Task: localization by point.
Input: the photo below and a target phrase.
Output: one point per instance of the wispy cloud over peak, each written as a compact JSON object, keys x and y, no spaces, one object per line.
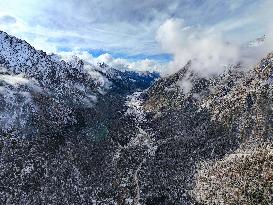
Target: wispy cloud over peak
{"x":130,"y":27}
{"x":206,"y":48}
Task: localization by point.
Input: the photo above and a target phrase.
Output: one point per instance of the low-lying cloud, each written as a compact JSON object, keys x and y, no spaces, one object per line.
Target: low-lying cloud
{"x":136,"y":65}
{"x":207,"y":49}
{"x":118,"y":63}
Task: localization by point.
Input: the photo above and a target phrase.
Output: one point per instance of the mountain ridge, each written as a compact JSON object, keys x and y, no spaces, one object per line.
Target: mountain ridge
{"x":73,"y":132}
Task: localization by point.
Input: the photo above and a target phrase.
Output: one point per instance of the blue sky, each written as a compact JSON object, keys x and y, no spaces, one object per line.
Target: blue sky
{"x":128,"y":29}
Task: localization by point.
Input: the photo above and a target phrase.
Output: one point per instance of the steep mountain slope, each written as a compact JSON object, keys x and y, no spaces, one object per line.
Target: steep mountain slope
{"x":184,"y":135}
{"x":208,"y":129}
{"x":76,"y":133}
{"x":245,"y":176}
{"x":61,"y":125}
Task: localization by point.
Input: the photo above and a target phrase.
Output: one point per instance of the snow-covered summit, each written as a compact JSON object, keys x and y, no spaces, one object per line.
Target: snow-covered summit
{"x":51,"y":87}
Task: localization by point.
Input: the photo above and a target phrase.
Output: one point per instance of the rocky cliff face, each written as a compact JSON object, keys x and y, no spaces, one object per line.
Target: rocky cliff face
{"x":76,"y":133}
{"x":214,"y":134}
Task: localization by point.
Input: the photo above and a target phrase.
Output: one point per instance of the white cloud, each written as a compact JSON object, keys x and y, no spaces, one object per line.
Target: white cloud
{"x":142,"y":65}
{"x":207,"y":50}
{"x":129,"y":27}
{"x":106,"y":58}
{"x":83,"y":55}
{"x":123,"y":26}
{"x":135,"y":65}
{"x":118,"y":63}
{"x":19,"y":80}
{"x":14,"y":80}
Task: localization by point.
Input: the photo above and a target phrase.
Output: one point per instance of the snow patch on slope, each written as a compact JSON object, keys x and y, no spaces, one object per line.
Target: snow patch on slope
{"x":134,"y":104}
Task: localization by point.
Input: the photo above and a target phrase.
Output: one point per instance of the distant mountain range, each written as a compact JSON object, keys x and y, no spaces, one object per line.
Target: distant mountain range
{"x":76,"y":133}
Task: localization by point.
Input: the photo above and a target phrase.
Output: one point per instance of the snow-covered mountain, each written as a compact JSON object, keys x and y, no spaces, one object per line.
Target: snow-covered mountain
{"x":53,"y":108}
{"x":213,"y":137}
{"x":37,"y":87}
{"x":76,"y":133}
